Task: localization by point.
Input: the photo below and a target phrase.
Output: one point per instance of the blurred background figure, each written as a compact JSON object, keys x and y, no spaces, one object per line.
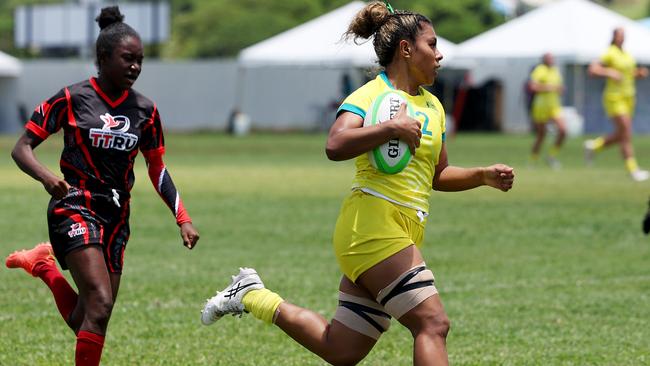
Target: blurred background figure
{"x":619,"y":98}
{"x":646,"y":221}
{"x":546,"y":84}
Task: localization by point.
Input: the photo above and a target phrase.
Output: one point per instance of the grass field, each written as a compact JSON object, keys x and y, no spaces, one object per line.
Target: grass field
{"x":555,"y":272}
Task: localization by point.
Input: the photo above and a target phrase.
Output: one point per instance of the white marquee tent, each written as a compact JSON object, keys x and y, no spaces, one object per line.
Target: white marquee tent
{"x":318,"y":42}
{"x":308,"y":61}
{"x":576,"y":32}
{"x":10,"y":69}
{"x":9,"y":66}
{"x":575,"y":29}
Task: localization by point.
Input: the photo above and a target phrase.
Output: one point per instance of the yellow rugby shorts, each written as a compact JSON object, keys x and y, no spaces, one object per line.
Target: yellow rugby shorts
{"x":370,"y":229}
{"x":543,"y":114}
{"x":619,"y":105}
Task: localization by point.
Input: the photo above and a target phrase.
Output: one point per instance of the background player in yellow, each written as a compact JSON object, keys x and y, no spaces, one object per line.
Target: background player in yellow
{"x":619,"y":98}
{"x":382,"y":221}
{"x":546,"y":83}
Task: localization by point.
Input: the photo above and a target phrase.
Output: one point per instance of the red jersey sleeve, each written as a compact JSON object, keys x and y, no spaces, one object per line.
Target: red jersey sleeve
{"x":49,"y":116}
{"x":152,"y":134}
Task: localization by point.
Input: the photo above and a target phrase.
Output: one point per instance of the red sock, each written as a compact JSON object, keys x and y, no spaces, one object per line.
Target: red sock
{"x":89,"y":349}
{"x":64,"y":296}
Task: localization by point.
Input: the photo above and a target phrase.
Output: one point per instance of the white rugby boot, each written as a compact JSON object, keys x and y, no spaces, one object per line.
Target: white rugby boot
{"x":553,"y":163}
{"x":640,"y":175}
{"x":229,"y":300}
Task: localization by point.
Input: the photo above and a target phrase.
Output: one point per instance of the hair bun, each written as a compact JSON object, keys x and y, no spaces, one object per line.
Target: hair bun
{"x":109,"y":15}
{"x":369,"y":20}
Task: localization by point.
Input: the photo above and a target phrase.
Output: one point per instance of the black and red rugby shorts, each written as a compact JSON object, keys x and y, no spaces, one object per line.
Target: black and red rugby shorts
{"x":84,"y":218}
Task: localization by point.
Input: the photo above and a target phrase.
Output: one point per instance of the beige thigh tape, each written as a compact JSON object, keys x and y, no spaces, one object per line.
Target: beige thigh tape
{"x":407,"y":291}
{"x":362,"y":315}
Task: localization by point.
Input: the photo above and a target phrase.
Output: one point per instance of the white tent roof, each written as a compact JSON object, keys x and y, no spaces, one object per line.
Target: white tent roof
{"x":9,"y":66}
{"x":576,"y":29}
{"x":644,"y":22}
{"x":318,"y":43}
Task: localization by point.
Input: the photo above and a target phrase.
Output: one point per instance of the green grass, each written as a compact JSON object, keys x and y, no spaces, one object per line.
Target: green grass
{"x":555,"y":272}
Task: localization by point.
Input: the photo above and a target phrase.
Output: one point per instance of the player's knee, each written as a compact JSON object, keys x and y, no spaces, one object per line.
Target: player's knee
{"x":436,"y":325}
{"x":99,"y":308}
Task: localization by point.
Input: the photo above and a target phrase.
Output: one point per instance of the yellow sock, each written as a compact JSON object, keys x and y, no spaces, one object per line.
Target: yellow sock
{"x":631,"y":165}
{"x":534,"y":158}
{"x":262,"y":304}
{"x":599,"y":142}
{"x":553,"y":151}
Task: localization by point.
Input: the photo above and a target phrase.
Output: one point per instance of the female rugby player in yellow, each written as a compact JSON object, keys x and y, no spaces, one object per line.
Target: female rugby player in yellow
{"x":546,"y":82}
{"x":619,"y":97}
{"x":381,"y":223}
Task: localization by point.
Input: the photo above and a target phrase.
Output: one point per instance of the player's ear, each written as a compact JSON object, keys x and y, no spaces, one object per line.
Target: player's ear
{"x":405,"y":48}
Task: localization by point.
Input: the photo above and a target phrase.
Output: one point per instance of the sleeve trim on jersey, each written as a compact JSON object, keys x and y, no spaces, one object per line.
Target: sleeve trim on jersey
{"x":444,"y":136}
{"x":37,"y":130}
{"x":347,"y":107}
{"x":160,"y":183}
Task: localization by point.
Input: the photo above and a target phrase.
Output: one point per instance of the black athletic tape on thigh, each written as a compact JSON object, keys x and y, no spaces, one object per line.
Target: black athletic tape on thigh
{"x":361,"y":310}
{"x":400,"y":288}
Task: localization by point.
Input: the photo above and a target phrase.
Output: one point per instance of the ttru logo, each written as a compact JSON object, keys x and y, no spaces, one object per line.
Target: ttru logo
{"x":113,"y":135}
{"x":76,"y":229}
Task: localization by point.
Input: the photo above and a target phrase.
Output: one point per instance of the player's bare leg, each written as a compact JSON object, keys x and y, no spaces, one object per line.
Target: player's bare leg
{"x":427,"y":321}
{"x":332,"y":341}
{"x":560,"y":127}
{"x":540,"y":134}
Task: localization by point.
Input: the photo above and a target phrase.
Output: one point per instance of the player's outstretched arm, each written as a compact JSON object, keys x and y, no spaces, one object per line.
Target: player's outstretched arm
{"x":165,"y":187}
{"x":453,"y":179}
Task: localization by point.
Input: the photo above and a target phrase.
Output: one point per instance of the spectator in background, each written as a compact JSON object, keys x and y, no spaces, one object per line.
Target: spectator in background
{"x":546,"y":84}
{"x":619,"y":98}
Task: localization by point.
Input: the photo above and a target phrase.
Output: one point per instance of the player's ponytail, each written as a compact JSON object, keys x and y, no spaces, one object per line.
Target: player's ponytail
{"x":386,"y":27}
{"x":113,"y":31}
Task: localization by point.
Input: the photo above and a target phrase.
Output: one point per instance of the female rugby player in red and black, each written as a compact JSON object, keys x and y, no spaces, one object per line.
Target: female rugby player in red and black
{"x":105,"y":123}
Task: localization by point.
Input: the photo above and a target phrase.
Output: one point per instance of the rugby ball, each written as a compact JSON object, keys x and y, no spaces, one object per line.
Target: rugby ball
{"x":393,"y":156}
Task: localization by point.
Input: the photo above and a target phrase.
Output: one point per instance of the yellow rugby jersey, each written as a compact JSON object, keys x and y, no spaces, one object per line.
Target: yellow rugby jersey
{"x":412,"y":186}
{"x":542,"y":74}
{"x":624,"y":63}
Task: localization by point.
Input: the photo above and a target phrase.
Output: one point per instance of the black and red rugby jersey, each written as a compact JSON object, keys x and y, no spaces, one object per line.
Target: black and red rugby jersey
{"x":102,"y":136}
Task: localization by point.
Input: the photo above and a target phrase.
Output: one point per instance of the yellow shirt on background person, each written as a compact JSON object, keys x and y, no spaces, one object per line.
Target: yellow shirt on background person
{"x":624,"y":63}
{"x":547,"y":76}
